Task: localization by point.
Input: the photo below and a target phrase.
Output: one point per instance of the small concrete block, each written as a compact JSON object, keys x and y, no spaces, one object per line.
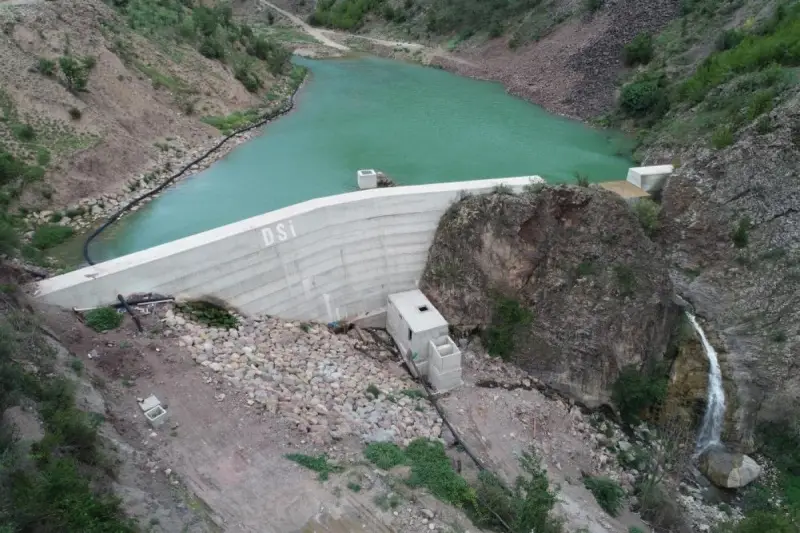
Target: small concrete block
{"x":156,"y":416}
{"x":445,"y":363}
{"x":367,"y":179}
{"x":149,"y":403}
{"x":446,"y":381}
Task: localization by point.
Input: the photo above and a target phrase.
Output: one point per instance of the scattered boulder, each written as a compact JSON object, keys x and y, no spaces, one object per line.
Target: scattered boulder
{"x":729,"y":470}
{"x":575,"y":260}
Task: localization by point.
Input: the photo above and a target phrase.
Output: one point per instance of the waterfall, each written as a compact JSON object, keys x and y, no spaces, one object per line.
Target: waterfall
{"x":711,"y":428}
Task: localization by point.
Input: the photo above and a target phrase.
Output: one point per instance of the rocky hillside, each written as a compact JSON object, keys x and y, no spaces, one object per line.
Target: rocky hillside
{"x":92,"y":95}
{"x":564,"y":279}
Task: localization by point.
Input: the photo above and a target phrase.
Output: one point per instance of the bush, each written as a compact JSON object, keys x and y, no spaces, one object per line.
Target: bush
{"x":50,"y":235}
{"x":209,"y":314}
{"x":582,"y":180}
{"x":212,"y":48}
{"x":248,"y":78}
{"x":639,"y":51}
{"x":740,"y":234}
{"x":24,"y":132}
{"x":607,"y":492}
{"x":636,"y":392}
{"x":760,"y":103}
{"x":626,"y":280}
{"x":729,"y":39}
{"x":384,"y":455}
{"x":75,"y":113}
{"x":75,"y":73}
{"x":9,"y":240}
{"x":508,"y":317}
{"x":43,"y":157}
{"x":722,"y":137}
{"x":103,"y":319}
{"x":647,"y":96}
{"x":594,"y":5}
{"x":647,"y":211}
{"x":318,"y":463}
{"x":46,"y":66}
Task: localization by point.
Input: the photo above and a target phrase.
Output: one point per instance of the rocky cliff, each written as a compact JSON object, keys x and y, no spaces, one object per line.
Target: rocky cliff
{"x":732,"y":231}
{"x":596,"y":288}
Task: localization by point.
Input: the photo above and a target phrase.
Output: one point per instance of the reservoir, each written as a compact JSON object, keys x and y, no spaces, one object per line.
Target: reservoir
{"x":416,"y":124}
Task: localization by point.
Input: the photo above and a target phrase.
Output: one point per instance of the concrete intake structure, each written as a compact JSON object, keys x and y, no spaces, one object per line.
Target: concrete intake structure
{"x":323,"y":260}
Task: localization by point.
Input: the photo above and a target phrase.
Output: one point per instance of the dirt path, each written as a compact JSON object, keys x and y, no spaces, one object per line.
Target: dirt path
{"x":314,"y":32}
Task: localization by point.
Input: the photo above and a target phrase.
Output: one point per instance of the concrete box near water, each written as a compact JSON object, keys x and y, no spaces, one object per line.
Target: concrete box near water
{"x":367,"y":179}
{"x":649,"y":179}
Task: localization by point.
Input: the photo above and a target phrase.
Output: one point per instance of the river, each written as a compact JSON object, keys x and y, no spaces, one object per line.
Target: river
{"x":417,"y":124}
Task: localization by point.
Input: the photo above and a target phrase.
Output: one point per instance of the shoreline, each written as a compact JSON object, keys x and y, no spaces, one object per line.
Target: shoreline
{"x":84,"y":214}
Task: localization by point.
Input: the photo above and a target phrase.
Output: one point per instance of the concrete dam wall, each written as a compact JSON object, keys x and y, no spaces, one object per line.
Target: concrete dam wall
{"x":324,"y":260}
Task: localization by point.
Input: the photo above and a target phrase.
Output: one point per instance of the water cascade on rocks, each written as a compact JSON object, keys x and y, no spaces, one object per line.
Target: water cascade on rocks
{"x":711,"y":427}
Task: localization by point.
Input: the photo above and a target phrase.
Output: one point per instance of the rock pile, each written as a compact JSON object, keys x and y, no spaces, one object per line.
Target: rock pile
{"x":319,"y":380}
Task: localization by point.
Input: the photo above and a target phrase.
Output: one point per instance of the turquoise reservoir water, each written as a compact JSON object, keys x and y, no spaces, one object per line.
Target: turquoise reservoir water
{"x":419,"y":125}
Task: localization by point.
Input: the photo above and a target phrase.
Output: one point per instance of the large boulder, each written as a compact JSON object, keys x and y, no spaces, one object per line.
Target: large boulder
{"x":593,"y":286}
{"x":729,"y":470}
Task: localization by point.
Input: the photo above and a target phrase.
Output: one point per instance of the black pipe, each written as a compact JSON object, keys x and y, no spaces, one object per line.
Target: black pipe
{"x":130,"y":312}
{"x":113,"y":218}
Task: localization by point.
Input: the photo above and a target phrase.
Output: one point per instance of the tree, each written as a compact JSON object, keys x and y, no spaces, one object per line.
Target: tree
{"x":75,"y":73}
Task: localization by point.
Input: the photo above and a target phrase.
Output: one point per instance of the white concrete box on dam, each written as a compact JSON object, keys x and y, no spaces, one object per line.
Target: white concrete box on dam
{"x":367,"y":179}
{"x":649,"y":179}
{"x":421,"y":333}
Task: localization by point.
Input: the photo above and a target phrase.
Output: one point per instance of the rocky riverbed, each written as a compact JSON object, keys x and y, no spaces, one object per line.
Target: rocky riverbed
{"x":327,"y":384}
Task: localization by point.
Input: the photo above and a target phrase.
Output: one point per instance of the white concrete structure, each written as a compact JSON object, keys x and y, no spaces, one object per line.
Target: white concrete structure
{"x":367,"y":179}
{"x":324,"y":260}
{"x":649,"y":179}
{"x":421,"y":333}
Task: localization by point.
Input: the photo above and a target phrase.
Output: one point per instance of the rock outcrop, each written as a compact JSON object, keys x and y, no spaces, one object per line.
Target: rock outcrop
{"x":596,"y":287}
{"x":731,"y":222}
{"x":729,"y":470}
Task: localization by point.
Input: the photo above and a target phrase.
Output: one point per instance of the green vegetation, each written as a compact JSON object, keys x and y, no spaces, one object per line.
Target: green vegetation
{"x":373,"y":390}
{"x":317,"y":463}
{"x":58,"y":484}
{"x":46,"y":66}
{"x":636,"y":393}
{"x":581,"y":180}
{"x":722,"y":137}
{"x":76,"y":72}
{"x":586,"y":269}
{"x":50,"y":235}
{"x":355,"y":487}
{"x":209,"y":314}
{"x":508,"y":318}
{"x":639,"y":51}
{"x":413,"y":393}
{"x":524,"y":506}
{"x":384,"y":455}
{"x":647,"y":211}
{"x":607,"y":492}
{"x":626,"y":280}
{"x":103,"y":319}
{"x":234,"y":121}
{"x":741,"y":233}
{"x":343,"y":14}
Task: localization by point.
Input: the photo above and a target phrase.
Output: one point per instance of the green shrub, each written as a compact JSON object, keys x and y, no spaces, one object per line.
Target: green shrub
{"x":740,"y":234}
{"x":646,"y":96}
{"x":647,"y":211}
{"x":43,"y":157}
{"x":209,"y":314}
{"x":355,"y":487}
{"x":508,"y":317}
{"x":75,"y":113}
{"x":75,"y":73}
{"x":729,"y":39}
{"x":46,"y":66}
{"x":50,"y":235}
{"x":248,"y":78}
{"x":635,"y":392}
{"x":24,"y":132}
{"x":9,"y":240}
{"x":764,"y":125}
{"x":585,"y":269}
{"x":760,"y":522}
{"x":89,"y":62}
{"x":626,"y":280}
{"x":607,"y":492}
{"x":760,"y":103}
{"x":212,"y":48}
{"x":384,"y":455}
{"x":639,"y":51}
{"x":373,"y":390}
{"x":594,"y":5}
{"x":103,"y":319}
{"x":318,"y":463}
{"x":582,"y":180}
{"x":722,"y":137}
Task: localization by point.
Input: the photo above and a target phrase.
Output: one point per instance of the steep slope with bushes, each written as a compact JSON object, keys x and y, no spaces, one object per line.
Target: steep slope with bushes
{"x":563,"y":280}
{"x":92,"y":95}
